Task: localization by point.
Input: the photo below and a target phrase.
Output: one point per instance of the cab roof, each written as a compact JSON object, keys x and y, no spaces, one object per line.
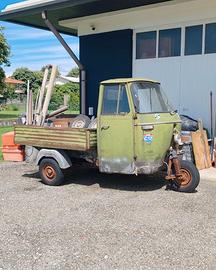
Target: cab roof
{"x":128,"y":80}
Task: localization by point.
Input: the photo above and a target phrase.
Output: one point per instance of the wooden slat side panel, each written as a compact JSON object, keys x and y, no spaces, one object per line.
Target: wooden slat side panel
{"x":72,"y":139}
{"x":93,"y":139}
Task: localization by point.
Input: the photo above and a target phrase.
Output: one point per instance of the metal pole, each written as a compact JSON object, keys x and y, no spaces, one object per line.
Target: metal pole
{"x":83,"y":91}
{"x":27,"y":102}
{"x":73,"y":56}
{"x":211,"y":116}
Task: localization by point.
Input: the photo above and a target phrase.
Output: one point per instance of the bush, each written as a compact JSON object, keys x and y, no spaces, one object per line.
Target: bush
{"x":11,"y":107}
{"x":70,"y":89}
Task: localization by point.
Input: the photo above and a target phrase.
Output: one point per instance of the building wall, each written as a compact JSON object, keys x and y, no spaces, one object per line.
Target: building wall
{"x":187,"y":80}
{"x":105,"y":56}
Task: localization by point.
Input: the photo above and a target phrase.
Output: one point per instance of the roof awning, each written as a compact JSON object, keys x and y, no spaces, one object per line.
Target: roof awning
{"x":29,"y":12}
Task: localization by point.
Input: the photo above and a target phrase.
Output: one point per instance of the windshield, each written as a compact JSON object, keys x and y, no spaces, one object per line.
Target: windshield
{"x":149,"y":98}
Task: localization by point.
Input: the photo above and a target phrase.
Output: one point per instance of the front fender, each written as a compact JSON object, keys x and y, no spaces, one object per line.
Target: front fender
{"x":59,"y":155}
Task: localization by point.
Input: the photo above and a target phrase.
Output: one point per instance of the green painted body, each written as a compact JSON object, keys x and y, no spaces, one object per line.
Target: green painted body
{"x":121,"y":145}
{"x":118,"y":140}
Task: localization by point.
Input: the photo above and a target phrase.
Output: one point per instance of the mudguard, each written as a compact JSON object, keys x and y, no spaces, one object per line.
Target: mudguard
{"x":59,"y":155}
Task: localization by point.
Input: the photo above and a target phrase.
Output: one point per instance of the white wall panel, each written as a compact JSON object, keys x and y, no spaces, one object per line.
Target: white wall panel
{"x":187,"y":80}
{"x":165,"y":71}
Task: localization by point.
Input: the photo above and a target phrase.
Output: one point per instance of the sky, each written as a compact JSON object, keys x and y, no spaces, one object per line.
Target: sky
{"x":34,"y":48}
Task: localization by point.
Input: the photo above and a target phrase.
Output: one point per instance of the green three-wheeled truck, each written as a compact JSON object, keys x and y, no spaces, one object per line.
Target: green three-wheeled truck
{"x":136,"y":132}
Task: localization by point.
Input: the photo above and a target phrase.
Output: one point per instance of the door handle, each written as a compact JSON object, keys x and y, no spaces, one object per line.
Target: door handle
{"x":104,"y":127}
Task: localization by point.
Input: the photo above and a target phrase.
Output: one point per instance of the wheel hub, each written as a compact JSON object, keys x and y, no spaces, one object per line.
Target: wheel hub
{"x":49,"y":172}
{"x":185,"y":177}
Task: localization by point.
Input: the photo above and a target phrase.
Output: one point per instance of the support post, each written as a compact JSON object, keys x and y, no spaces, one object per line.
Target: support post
{"x":73,"y":56}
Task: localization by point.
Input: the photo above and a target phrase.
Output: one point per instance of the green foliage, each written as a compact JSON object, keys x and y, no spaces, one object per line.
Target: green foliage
{"x":2,"y":77}
{"x":4,"y":56}
{"x":12,"y":108}
{"x":9,"y":92}
{"x":71,"y":89}
{"x":74,"y":72}
{"x":24,"y":74}
{"x":6,"y":114}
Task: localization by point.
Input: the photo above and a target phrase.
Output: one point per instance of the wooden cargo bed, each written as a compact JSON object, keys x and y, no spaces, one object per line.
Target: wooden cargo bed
{"x":79,"y":139}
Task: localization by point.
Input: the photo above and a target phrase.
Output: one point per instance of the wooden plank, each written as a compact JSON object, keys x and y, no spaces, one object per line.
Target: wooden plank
{"x":201,"y":149}
{"x":58,"y":145}
{"x":66,"y":138}
{"x":30,"y":127}
{"x":41,"y":96}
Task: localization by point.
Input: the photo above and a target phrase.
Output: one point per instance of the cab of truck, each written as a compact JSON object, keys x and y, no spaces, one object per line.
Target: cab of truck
{"x":136,"y":124}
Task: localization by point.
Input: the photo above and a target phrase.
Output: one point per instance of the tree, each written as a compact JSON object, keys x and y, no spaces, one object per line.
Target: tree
{"x":71,"y":89}
{"x":25,"y":74}
{"x":9,"y":92}
{"x":4,"y":57}
{"x":74,"y":72}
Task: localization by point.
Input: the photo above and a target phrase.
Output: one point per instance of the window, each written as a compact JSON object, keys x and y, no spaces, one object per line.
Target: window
{"x":123,"y":105}
{"x":210,"y":38}
{"x":146,"y":45}
{"x":193,"y":40}
{"x":115,"y":100}
{"x":149,"y":98}
{"x":170,"y":42}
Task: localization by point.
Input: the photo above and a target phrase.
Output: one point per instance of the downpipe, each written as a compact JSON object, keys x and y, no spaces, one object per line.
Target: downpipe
{"x":73,"y":56}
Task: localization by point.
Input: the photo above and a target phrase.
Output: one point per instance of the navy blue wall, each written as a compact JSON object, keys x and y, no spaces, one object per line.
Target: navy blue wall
{"x":105,"y":56}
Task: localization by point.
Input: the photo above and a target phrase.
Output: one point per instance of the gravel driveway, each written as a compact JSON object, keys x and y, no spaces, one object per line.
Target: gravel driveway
{"x":97,"y":222}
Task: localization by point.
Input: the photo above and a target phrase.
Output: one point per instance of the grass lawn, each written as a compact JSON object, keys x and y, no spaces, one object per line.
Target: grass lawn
{"x":9,"y":115}
{"x":2,"y":131}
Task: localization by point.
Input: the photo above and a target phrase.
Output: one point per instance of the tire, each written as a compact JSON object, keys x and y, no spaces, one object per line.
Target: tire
{"x":191,"y":177}
{"x":50,"y":172}
{"x":81,"y":121}
{"x":93,"y":124}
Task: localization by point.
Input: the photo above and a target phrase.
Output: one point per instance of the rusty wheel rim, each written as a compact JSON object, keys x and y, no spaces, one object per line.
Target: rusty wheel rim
{"x":49,"y":172}
{"x":185,"y":178}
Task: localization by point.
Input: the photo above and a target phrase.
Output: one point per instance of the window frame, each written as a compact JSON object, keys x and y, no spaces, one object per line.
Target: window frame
{"x":120,"y":85}
{"x":156,"y":44}
{"x":183,"y":28}
{"x":205,"y":41}
{"x":177,"y":29}
{"x":145,"y":113}
{"x":185,"y":39}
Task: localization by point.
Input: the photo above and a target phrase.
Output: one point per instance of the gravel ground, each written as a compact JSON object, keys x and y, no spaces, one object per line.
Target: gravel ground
{"x":108,"y":222}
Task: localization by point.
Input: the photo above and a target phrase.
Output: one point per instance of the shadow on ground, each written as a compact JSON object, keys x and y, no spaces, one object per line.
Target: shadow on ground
{"x":91,"y":176}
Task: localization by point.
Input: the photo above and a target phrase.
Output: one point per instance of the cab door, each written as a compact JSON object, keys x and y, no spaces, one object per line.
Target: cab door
{"x":115,"y":130}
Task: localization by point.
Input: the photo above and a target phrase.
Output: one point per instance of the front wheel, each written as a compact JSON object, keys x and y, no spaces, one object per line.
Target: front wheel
{"x":50,"y":172}
{"x":190,"y":177}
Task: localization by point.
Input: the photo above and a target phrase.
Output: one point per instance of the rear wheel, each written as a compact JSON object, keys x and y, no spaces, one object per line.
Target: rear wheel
{"x":190,"y":177}
{"x":50,"y":172}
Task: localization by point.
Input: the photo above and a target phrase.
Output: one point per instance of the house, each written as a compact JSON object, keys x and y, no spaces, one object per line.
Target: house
{"x":17,"y":84}
{"x":61,"y":80}
{"x":172,"y":41}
